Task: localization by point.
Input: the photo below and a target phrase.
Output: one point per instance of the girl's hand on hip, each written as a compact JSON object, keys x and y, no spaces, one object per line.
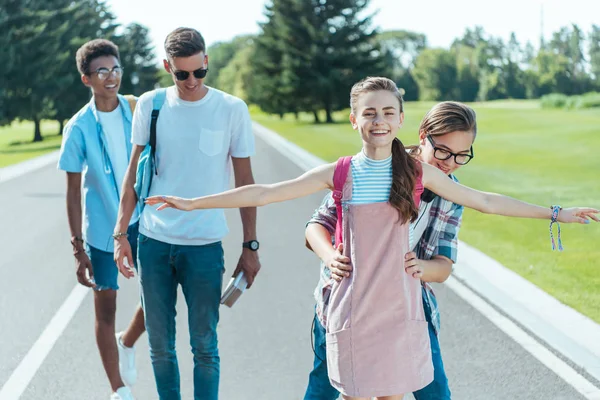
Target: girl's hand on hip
{"x":412,"y":265}
{"x":339,"y":264}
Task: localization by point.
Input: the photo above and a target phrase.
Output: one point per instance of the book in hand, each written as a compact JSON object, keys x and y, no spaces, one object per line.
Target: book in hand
{"x":234,"y":289}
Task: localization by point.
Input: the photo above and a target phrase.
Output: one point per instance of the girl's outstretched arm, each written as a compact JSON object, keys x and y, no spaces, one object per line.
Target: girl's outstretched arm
{"x":493,"y":203}
{"x":254,"y":195}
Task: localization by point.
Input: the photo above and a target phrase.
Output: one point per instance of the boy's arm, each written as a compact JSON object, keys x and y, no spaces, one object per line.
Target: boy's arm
{"x":85,"y":272}
{"x":126,"y":207}
{"x":248,"y":262}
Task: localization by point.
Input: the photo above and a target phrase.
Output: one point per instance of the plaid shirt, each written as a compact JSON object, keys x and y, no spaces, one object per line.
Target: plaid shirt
{"x":439,"y":238}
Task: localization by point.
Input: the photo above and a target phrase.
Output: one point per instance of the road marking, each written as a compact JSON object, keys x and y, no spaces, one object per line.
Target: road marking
{"x":535,"y":348}
{"x":26,"y":370}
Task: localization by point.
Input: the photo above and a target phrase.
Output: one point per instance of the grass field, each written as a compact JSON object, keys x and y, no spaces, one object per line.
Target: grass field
{"x":16,"y":142}
{"x":540,"y":156}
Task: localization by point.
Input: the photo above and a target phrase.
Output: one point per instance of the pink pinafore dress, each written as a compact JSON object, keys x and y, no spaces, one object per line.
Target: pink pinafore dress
{"x":376,"y":333}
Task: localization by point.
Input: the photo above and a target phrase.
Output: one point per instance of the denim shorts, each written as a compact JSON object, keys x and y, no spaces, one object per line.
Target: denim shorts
{"x":103,"y":263}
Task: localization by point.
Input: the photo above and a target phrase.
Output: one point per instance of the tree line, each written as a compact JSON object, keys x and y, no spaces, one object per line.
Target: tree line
{"x":309,"y":53}
{"x":38,"y":42}
{"x":305,"y":59}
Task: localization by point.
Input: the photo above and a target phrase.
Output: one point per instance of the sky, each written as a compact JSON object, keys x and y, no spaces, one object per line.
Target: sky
{"x":440,"y":20}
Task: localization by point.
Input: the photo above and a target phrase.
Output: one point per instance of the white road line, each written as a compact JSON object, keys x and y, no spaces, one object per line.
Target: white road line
{"x":535,"y":348}
{"x":26,"y":370}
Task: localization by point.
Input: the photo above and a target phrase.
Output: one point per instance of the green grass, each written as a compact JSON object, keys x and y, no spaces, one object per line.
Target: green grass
{"x":16,"y":141}
{"x":538,"y":155}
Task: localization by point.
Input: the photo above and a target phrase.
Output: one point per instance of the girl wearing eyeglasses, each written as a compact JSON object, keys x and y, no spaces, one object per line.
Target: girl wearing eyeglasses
{"x":446,"y":137}
{"x":376,"y":332}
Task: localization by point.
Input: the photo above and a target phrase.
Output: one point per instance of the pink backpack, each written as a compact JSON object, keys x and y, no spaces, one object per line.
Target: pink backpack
{"x":339,"y":180}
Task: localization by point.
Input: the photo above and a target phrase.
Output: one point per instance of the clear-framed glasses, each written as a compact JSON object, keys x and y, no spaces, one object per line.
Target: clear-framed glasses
{"x":443,"y":154}
{"x":104,"y":73}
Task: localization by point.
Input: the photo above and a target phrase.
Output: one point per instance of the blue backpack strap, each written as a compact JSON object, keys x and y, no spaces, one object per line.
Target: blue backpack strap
{"x":157,"y":103}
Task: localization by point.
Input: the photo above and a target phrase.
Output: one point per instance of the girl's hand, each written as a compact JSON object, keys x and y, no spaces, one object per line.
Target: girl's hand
{"x":339,"y":265}
{"x":170,"y":202}
{"x":411,"y":265}
{"x":578,"y":215}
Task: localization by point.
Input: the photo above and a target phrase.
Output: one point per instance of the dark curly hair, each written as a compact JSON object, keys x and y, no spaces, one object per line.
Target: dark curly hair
{"x":92,"y":50}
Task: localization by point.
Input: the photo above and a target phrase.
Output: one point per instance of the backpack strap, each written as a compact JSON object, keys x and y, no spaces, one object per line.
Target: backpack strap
{"x":340,"y":175}
{"x":419,"y":188}
{"x":132,"y":102}
{"x":157,"y":103}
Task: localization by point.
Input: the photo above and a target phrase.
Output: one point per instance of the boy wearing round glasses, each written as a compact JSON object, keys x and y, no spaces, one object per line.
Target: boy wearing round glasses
{"x":200,"y":132}
{"x":94,"y":154}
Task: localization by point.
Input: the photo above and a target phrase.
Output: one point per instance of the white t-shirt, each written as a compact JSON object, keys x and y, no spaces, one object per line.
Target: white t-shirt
{"x":194,"y":145}
{"x":112,"y":126}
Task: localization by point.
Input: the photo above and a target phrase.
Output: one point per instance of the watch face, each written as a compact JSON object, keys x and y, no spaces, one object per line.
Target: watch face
{"x":254,"y":245}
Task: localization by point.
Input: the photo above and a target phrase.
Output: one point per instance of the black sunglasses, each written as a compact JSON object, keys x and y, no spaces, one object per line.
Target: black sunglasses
{"x":443,"y":154}
{"x":200,"y":73}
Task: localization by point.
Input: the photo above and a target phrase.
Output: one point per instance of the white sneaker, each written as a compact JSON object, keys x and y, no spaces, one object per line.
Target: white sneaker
{"x":122,"y":393}
{"x":126,"y":362}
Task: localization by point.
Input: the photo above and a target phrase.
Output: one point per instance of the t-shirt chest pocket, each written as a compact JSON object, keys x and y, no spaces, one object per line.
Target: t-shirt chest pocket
{"x":211,"y":141}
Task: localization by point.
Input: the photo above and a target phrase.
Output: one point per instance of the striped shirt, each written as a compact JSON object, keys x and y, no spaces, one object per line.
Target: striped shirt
{"x":371,"y":179}
{"x":372,"y":182}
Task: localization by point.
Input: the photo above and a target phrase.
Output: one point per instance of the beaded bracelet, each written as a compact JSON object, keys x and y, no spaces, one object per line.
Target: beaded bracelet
{"x":554,"y":220}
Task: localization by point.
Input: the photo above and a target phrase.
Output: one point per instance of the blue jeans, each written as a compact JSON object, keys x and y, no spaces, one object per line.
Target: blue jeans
{"x":319,"y":387}
{"x":199,"y":271}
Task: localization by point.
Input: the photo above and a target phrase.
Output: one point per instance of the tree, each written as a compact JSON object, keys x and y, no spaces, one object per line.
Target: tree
{"x":435,"y":72}
{"x":513,"y":74}
{"x":309,"y":54}
{"x":568,"y":44}
{"x":553,"y":74}
{"x":236,"y":77}
{"x":138,"y":59}
{"x":221,"y":54}
{"x":40,"y":36}
{"x":400,"y":49}
{"x":267,"y":90}
{"x":467,"y":73}
{"x":594,"y":53}
{"x":93,"y":21}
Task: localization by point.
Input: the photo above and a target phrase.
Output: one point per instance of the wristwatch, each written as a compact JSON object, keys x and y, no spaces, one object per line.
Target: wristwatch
{"x":251,"y":244}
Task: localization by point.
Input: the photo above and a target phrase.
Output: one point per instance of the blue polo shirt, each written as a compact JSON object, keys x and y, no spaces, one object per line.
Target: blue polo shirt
{"x":85,"y":150}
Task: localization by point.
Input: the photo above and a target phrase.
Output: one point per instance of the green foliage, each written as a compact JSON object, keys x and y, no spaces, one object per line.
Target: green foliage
{"x":553,"y":100}
{"x":576,"y":102}
{"x":137,"y":58}
{"x":310,"y":53}
{"x":38,"y":41}
{"x":221,"y":54}
{"x":400,"y":49}
{"x":435,"y":72}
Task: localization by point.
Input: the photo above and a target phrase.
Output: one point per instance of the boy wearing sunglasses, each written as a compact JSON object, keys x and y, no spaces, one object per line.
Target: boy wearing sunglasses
{"x":94,"y":154}
{"x":199,"y":132}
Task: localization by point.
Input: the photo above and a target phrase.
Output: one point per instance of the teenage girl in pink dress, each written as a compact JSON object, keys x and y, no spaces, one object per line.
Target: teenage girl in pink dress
{"x":377,"y":341}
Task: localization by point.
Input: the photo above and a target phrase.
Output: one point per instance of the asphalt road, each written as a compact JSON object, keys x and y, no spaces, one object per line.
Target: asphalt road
{"x":264,"y":340}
